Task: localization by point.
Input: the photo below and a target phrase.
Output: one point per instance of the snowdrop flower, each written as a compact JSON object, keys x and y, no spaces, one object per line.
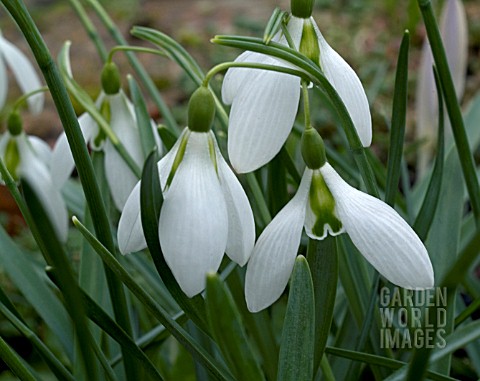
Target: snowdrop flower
{"x":27,"y":157}
{"x":205,"y":212}
{"x":265,"y":103}
{"x":453,"y":29}
{"x":23,"y":72}
{"x":120,"y":113}
{"x":326,"y":204}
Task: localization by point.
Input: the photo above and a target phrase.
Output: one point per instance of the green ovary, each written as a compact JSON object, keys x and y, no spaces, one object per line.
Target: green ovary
{"x":322,"y":205}
{"x":12,"y":158}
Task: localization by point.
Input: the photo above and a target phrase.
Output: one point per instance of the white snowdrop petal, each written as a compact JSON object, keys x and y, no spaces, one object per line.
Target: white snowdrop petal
{"x":130,"y":232}
{"x":193,"y":224}
{"x":166,"y":163}
{"x":120,"y":178}
{"x":273,"y":257}
{"x":41,"y":148}
{"x":348,"y":86}
{"x":61,"y":161}
{"x":37,"y":175}
{"x":381,"y":235}
{"x":3,"y":82}
{"x":453,"y":27}
{"x":24,"y":73}
{"x":235,"y":77}
{"x":261,"y":118}
{"x":241,"y":225}
{"x":124,"y":124}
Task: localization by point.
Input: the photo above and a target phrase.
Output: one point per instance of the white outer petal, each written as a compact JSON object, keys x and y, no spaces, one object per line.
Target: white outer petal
{"x":24,"y":73}
{"x":61,"y":162}
{"x":130,"y":232}
{"x":381,"y":235}
{"x":37,"y":175}
{"x":273,"y":257}
{"x":165,"y":164}
{"x":120,"y":177}
{"x":193,"y":224}
{"x":261,"y":118}
{"x":41,"y":148}
{"x":453,"y":26}
{"x":241,"y":225}
{"x":348,"y":86}
{"x":3,"y":82}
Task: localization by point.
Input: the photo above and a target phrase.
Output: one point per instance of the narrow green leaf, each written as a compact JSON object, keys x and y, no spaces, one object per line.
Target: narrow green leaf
{"x":399,"y":115}
{"x":15,"y":362}
{"x":258,"y":325}
{"x":167,"y":137}
{"x":215,"y":369}
{"x":277,"y":184}
{"x":50,"y":359}
{"x":143,"y":118}
{"x":151,"y":200}
{"x":380,"y":361}
{"x":228,"y":331}
{"x":323,"y":261}
{"x":57,"y":258}
{"x":454,"y":111}
{"x":273,"y":25}
{"x":29,"y":278}
{"x":298,"y":335}
{"x":427,"y":211}
{"x":108,"y":325}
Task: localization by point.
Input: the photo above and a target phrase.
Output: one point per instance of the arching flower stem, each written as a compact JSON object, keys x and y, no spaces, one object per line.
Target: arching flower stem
{"x":227,"y":65}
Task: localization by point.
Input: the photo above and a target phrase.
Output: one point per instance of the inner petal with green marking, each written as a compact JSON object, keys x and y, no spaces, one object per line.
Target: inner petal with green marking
{"x":321,"y":218}
{"x":12,"y":158}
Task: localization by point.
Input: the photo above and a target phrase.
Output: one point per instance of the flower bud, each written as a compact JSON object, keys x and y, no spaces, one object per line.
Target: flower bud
{"x":110,"y":78}
{"x":309,"y":42}
{"x":14,"y":124}
{"x":201,"y":110}
{"x":313,"y":149}
{"x":302,"y":8}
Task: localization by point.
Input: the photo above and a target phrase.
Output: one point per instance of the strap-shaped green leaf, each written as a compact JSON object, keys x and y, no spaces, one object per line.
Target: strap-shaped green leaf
{"x":298,"y":335}
{"x":323,"y":260}
{"x":228,"y":331}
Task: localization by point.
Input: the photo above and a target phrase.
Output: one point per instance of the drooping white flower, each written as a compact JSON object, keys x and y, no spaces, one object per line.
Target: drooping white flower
{"x":205,"y":212}
{"x":28,"y":158}
{"x":453,"y":29}
{"x":326,"y":204}
{"x":23,"y":72}
{"x":120,"y":177}
{"x":265,"y":103}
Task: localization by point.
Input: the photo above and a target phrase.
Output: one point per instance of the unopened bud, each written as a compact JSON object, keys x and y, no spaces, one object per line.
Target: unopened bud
{"x":110,"y":78}
{"x":201,"y":110}
{"x":313,"y":149}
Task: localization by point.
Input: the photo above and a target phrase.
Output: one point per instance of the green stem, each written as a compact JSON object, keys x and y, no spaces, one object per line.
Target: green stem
{"x":24,"y":97}
{"x":82,"y":160}
{"x":138,"y":49}
{"x":306,"y":104}
{"x":226,"y":65}
{"x":453,"y":107}
{"x":90,"y":28}
{"x":137,"y":66}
